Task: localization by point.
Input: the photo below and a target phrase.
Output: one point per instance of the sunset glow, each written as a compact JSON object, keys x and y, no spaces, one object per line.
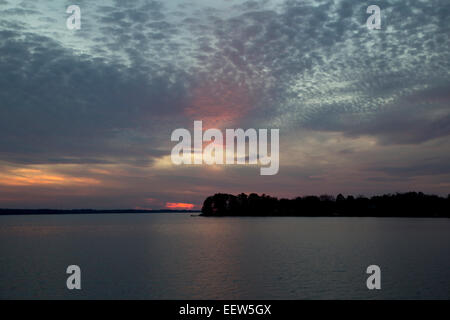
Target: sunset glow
{"x":358,"y":111}
{"x":219,"y":104}
{"x":179,"y":205}
{"x":36,"y":177}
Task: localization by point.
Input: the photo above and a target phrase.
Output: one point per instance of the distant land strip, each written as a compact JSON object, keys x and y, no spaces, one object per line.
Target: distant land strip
{"x":410,"y":204}
{"x":6,"y":212}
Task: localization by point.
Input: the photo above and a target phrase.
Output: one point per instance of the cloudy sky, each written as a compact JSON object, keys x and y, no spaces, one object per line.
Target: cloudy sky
{"x":86,"y":115}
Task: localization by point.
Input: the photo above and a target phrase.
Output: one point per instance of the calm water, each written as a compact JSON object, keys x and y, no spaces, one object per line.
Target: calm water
{"x":175,"y":256}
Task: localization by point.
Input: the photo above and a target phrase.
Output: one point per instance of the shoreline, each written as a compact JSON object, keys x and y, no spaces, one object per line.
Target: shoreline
{"x":22,"y":212}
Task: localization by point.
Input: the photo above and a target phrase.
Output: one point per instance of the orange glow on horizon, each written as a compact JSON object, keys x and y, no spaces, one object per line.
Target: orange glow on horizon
{"x":32,"y":177}
{"x":179,"y":205}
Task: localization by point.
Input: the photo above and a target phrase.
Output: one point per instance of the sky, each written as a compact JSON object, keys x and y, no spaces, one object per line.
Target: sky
{"x":86,"y":115}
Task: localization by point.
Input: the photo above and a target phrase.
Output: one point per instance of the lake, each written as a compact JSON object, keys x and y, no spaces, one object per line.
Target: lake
{"x":176,"y":256}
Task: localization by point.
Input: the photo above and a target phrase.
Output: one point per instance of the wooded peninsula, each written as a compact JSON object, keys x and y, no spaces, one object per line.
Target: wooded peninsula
{"x":410,"y":204}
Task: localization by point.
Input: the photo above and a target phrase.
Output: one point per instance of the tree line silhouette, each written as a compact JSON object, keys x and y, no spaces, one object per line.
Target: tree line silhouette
{"x":410,"y":204}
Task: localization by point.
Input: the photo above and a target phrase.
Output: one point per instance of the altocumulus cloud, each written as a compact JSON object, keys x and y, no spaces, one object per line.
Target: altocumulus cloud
{"x":111,"y":93}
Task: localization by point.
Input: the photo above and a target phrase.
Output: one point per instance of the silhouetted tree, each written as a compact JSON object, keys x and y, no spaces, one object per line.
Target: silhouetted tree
{"x":410,"y":204}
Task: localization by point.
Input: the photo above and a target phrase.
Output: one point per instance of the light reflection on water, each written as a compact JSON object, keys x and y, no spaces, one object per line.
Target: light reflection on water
{"x":176,"y":256}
